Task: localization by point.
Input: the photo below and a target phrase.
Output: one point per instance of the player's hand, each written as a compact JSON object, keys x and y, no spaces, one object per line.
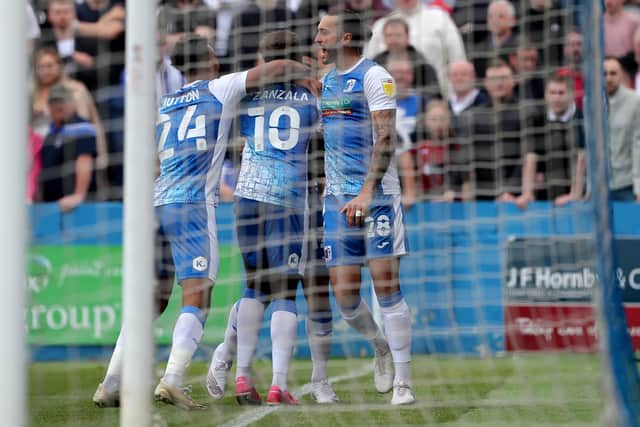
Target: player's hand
{"x":313,"y":85}
{"x":68,"y":203}
{"x":356,"y":210}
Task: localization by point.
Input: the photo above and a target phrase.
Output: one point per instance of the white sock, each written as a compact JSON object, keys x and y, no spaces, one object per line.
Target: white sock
{"x":186,"y":336}
{"x":320,"y":337}
{"x":250,"y":314}
{"x":361,"y":320}
{"x":283,"y":338}
{"x":111,"y":381}
{"x":397,"y":326}
{"x":229,"y":347}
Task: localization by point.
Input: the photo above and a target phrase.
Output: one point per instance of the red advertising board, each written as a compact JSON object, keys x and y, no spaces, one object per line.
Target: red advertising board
{"x":559,"y":327}
{"x":548,"y":293}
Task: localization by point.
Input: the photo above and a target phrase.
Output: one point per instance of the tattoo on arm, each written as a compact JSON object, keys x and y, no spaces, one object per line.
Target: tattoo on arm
{"x":384,"y":123}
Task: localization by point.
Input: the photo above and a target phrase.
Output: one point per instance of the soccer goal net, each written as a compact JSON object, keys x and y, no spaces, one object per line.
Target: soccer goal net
{"x":513,"y":215}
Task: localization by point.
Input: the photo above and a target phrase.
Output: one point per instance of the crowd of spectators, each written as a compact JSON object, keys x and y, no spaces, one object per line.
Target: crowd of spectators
{"x":490,"y":92}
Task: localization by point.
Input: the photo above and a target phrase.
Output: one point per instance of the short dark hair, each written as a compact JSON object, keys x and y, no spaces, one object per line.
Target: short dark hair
{"x":397,"y":21}
{"x":352,"y":22}
{"x":562,"y":78}
{"x":499,"y":63}
{"x":280,"y":44}
{"x":191,"y":53}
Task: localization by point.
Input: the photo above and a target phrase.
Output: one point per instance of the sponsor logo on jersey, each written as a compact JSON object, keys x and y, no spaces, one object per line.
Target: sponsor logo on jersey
{"x":334,"y":106}
{"x":348,"y":87}
{"x":200,"y":263}
{"x":327,"y":253}
{"x":294,"y":260}
{"x":389,"y":87}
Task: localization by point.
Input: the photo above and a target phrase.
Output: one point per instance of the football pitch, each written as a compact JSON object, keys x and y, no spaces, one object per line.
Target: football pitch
{"x":517,"y":390}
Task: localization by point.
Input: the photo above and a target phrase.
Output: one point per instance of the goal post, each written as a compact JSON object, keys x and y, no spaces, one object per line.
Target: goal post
{"x":619,"y":365}
{"x":13,"y":224}
{"x":138,"y":250}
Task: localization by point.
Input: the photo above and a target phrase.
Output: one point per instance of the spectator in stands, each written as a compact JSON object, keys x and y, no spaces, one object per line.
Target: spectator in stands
{"x":258,"y":18}
{"x":498,"y":138}
{"x":634,"y":75}
{"x":102,"y":23}
{"x":409,"y":108}
{"x":543,"y":23}
{"x":436,"y":156}
{"x":35,"y":164}
{"x":446,"y":5}
{"x":371,"y":9}
{"x":573,"y":64}
{"x":99,"y":29}
{"x":524,"y":62}
{"x":68,"y":175}
{"x":619,"y":27}
{"x":396,"y":39}
{"x":465,"y":95}
{"x":501,"y":41}
{"x":624,"y":135}
{"x":431,"y":31}
{"x":61,"y":35}
{"x":49,"y":71}
{"x":470,"y":17}
{"x":33,"y":29}
{"x":177,"y":17}
{"x":554,"y":167}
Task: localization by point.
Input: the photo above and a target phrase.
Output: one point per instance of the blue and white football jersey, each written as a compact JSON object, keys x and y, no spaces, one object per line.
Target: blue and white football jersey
{"x":348,"y":98}
{"x":277,"y":123}
{"x":191,"y":136}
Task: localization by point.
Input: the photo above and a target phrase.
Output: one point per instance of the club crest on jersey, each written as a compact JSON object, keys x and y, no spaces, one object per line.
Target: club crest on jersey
{"x":389,"y":87}
{"x":348,"y":87}
{"x":200,"y":263}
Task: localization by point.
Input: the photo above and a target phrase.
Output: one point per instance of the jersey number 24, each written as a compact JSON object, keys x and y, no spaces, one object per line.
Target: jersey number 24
{"x":197,"y":132}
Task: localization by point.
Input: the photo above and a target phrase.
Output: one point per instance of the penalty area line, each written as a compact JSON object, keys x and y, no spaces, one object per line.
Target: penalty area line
{"x":258,"y":413}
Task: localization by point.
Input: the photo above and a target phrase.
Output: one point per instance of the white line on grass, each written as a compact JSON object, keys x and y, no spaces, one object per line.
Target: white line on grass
{"x":258,"y":413}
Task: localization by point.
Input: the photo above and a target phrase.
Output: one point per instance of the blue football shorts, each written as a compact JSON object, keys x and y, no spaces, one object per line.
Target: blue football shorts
{"x":191,"y":231}
{"x":381,"y":236}
{"x":270,"y":236}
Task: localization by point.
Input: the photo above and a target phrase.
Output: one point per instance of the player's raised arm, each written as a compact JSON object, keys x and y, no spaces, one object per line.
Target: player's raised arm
{"x":277,"y":71}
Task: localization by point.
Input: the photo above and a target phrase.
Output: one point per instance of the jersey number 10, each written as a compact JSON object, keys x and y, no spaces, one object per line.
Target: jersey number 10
{"x":274,"y":132}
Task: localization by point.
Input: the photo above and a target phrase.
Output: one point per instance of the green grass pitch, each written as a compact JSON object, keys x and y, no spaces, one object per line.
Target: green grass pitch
{"x":517,"y":390}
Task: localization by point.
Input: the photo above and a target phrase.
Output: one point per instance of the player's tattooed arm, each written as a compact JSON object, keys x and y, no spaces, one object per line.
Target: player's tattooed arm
{"x":384,"y":123}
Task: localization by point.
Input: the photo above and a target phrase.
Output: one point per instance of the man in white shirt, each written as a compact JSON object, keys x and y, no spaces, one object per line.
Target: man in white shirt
{"x":431,"y":31}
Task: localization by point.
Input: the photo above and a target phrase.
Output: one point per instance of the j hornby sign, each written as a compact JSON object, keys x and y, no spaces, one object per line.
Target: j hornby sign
{"x":548,"y":291}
